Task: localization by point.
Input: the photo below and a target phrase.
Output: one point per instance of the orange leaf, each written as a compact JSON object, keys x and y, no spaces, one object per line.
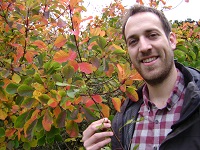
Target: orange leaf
{"x":72,"y":128}
{"x":97,"y":98}
{"x":123,"y":72}
{"x":135,"y":76}
{"x":77,"y":100}
{"x":60,"y":41}
{"x":74,"y":64}
{"x":117,"y":103}
{"x":47,"y":121}
{"x":57,"y":111}
{"x":131,"y":93}
{"x":62,"y":56}
{"x":105,"y":110}
{"x":20,"y":52}
{"x":86,"y":67}
{"x":52,"y":103}
{"x":79,"y":118}
{"x":40,"y":44}
{"x":10,"y":132}
{"x":110,"y":70}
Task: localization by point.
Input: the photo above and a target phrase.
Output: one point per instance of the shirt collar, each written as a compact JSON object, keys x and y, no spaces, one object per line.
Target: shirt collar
{"x":174,"y":96}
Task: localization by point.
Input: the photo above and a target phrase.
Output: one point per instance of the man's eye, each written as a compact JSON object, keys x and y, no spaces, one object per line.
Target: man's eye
{"x":132,"y":42}
{"x":153,"y":35}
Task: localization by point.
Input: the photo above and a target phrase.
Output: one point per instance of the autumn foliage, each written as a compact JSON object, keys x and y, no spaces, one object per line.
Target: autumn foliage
{"x":57,"y":74}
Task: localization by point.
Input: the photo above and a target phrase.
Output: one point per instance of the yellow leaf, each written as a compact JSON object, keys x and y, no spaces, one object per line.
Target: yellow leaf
{"x":16,"y":78}
{"x":3,"y":114}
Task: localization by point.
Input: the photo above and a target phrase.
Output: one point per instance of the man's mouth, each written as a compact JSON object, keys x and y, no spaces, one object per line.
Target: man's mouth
{"x":148,"y":60}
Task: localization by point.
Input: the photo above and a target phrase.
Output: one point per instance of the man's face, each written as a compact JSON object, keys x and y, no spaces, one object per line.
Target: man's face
{"x":150,"y":50}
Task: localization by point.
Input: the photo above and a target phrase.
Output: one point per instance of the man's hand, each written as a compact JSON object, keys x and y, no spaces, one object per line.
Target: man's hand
{"x":96,"y":135}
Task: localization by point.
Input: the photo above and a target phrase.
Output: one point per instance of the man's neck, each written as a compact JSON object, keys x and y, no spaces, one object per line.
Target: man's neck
{"x":159,"y":94}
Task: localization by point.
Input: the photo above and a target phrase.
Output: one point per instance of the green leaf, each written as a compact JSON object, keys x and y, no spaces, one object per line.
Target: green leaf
{"x":25,"y":90}
{"x":38,"y":78}
{"x":44,"y":98}
{"x":12,"y":88}
{"x":101,"y":41}
{"x":28,"y":102}
{"x":30,"y":130}
{"x":54,"y":131}
{"x":1,"y":83}
{"x":21,"y":120}
{"x":68,"y":72}
{"x":2,"y":132}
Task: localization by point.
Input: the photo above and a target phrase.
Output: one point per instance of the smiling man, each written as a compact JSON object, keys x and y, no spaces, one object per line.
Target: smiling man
{"x":167,"y":115}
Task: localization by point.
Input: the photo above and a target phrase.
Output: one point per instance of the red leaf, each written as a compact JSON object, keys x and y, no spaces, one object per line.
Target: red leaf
{"x":62,"y":56}
{"x":86,"y":67}
{"x":117,"y":103}
{"x":60,"y":41}
{"x":47,"y":121}
{"x":89,"y":103}
{"x":97,"y":98}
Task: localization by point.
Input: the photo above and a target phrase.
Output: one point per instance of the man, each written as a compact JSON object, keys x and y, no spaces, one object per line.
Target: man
{"x":167,"y":114}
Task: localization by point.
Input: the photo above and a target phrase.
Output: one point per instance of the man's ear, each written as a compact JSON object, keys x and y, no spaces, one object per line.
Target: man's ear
{"x":172,"y":40}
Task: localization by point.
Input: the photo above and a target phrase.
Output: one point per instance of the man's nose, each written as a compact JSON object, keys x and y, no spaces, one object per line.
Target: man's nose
{"x":144,"y":44}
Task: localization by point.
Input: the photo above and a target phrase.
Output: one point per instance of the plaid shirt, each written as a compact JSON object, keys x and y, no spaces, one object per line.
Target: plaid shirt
{"x":156,"y":123}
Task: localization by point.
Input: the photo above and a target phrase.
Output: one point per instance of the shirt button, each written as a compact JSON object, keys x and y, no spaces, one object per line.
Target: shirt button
{"x":156,"y":121}
{"x":155,"y":148}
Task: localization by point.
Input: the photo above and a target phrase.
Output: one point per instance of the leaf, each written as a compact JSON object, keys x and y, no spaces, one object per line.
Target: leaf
{"x":28,"y":102}
{"x":2,"y":132}
{"x":20,"y":121}
{"x":117,"y":49}
{"x":40,"y":44}
{"x":105,"y":110}
{"x":97,"y":98}
{"x":60,"y":41}
{"x":86,"y":67}
{"x":72,"y":128}
{"x":123,"y":72}
{"x":89,"y":103}
{"x":101,"y":41}
{"x":131,"y":93}
{"x":12,"y":88}
{"x":60,"y":121}
{"x":47,"y":120}
{"x":68,"y":71}
{"x":25,"y":90}
{"x":117,"y":103}
{"x":3,"y":114}
{"x":10,"y":132}
{"x":16,"y":78}
{"x":88,"y":114}
{"x":44,"y":98}
{"x":61,"y":56}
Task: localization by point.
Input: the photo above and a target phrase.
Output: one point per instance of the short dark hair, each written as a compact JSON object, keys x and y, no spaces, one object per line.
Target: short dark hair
{"x":139,"y":9}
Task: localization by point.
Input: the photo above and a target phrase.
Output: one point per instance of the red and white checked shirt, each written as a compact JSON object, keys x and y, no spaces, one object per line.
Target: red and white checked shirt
{"x":156,"y":123}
